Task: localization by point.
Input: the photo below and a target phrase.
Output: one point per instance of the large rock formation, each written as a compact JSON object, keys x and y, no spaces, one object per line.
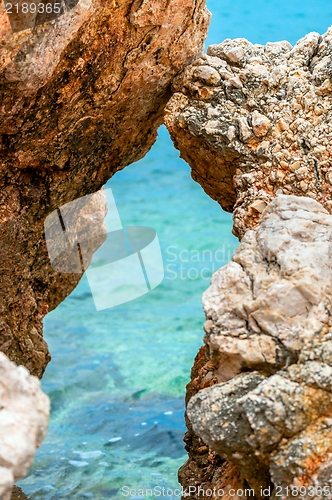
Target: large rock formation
{"x":82,"y":95}
{"x":268,"y":332}
{"x":23,"y":423}
{"x":251,"y":120}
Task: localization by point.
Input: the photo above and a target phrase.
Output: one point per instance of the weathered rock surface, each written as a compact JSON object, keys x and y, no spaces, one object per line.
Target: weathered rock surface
{"x":205,"y":469}
{"x":269,"y":342}
{"x":253,"y":119}
{"x":81,"y":97}
{"x":23,"y":422}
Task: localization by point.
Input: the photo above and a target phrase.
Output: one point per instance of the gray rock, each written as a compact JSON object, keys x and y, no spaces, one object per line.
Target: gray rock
{"x":24,"y":414}
{"x":217,"y":417}
{"x":269,"y":313}
{"x":82,"y":96}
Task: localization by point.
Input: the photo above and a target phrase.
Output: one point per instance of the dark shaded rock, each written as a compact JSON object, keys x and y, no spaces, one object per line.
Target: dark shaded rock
{"x":18,"y":494}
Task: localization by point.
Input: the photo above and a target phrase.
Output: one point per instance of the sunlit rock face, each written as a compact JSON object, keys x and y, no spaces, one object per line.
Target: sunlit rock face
{"x":269,"y":339}
{"x":23,"y":422}
{"x":82,"y":95}
{"x":252,"y":119}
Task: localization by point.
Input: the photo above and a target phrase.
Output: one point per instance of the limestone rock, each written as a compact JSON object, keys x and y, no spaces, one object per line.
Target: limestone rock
{"x":261,"y":129}
{"x":264,"y":126}
{"x":82,"y":95}
{"x":269,"y":339}
{"x":23,"y":422}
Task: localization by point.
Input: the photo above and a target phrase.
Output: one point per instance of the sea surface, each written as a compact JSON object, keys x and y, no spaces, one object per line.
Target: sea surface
{"x":117,"y":376}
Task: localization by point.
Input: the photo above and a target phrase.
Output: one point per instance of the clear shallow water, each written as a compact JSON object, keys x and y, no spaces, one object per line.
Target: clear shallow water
{"x":263,"y":21}
{"x":120,"y":374}
{"x":117,"y":378}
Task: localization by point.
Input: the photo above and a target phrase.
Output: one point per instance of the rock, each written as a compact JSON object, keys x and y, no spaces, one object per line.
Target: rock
{"x":205,"y":468}
{"x":18,"y":494}
{"x":207,"y":74}
{"x":245,"y":131}
{"x":308,"y":457}
{"x":39,"y":288}
{"x":260,"y":124}
{"x":23,"y":423}
{"x":263,"y":130}
{"x":218,"y":419}
{"x":82,"y":94}
{"x":269,"y":344}
{"x":272,"y":113}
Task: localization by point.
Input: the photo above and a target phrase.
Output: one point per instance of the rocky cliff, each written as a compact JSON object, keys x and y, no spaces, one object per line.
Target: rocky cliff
{"x":82,"y":94}
{"x":268,"y":332}
{"x":253,"y":122}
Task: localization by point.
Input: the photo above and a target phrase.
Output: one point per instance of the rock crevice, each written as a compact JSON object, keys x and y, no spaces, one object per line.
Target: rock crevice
{"x":24,"y":414}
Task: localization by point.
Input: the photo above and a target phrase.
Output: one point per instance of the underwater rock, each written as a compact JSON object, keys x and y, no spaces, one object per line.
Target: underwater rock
{"x":252,"y":120}
{"x":269,"y":344}
{"x":82,"y":94}
{"x":23,"y":422}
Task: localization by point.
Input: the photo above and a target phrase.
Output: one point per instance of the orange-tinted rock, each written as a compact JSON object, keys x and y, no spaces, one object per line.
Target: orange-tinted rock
{"x":82,"y":96}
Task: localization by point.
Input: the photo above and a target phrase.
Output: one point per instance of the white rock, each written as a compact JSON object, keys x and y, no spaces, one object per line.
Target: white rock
{"x":276,"y":290}
{"x":24,"y":415}
{"x":268,"y":332}
{"x":207,"y":74}
{"x":244,"y":128}
{"x":260,"y":124}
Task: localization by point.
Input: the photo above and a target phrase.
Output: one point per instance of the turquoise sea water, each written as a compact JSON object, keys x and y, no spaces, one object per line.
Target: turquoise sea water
{"x":117,"y":378}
